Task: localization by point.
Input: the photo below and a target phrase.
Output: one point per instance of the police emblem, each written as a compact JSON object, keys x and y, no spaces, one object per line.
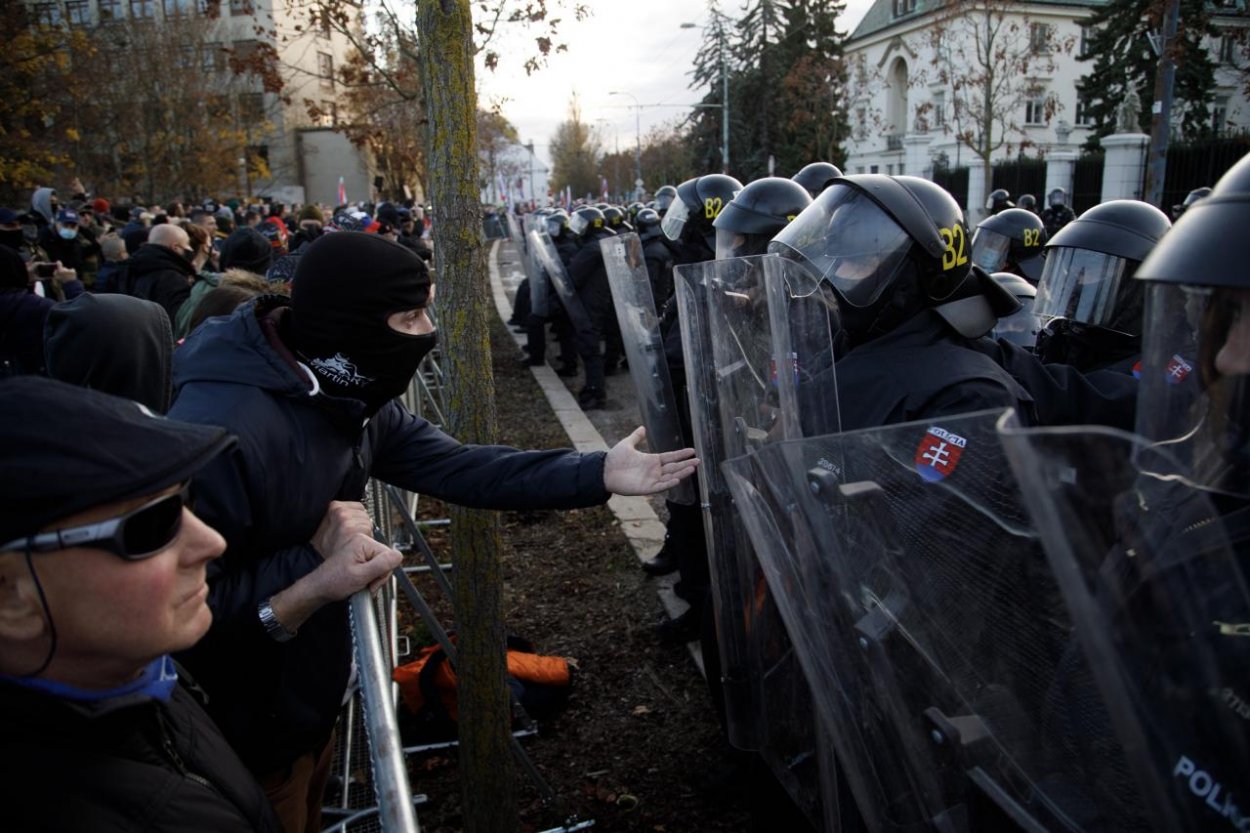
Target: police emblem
{"x":938,"y":454}
{"x":1178,"y":370}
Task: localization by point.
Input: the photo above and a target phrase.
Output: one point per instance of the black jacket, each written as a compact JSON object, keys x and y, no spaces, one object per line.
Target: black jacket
{"x":296,"y":453}
{"x":141,"y":765}
{"x":158,"y":274}
{"x":660,"y":259}
{"x":22,"y":316}
{"x":588,"y":274}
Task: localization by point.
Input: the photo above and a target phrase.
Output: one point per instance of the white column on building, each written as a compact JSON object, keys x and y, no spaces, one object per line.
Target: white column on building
{"x":977,"y":191}
{"x":1060,"y":172}
{"x":1125,"y":165}
{"x":916,"y":155}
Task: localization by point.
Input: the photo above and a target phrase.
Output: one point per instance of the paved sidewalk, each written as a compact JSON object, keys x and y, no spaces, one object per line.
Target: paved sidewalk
{"x":637,"y":518}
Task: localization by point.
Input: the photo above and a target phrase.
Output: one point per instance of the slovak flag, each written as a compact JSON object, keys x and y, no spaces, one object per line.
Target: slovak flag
{"x":938,"y":454}
{"x":342,"y":192}
{"x":1178,"y":370}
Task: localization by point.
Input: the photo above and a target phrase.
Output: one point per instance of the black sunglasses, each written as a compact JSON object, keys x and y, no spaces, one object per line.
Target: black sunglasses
{"x":139,"y":534}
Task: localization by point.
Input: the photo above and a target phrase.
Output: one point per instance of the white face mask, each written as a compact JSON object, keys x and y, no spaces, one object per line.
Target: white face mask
{"x":67,"y":233}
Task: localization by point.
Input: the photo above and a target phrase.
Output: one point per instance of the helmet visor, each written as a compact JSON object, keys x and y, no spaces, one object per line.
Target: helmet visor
{"x":989,"y":249}
{"x":849,"y":241}
{"x":1020,"y":328}
{"x":663,"y":201}
{"x":1194,"y":397}
{"x":731,"y":244}
{"x":1089,"y":287}
{"x":578,"y":224}
{"x":675,"y":220}
{"x":554,"y":226}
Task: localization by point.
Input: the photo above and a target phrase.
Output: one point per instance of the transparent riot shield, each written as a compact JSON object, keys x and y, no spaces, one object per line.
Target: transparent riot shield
{"x":515,"y":232}
{"x":644,"y":348}
{"x":539,"y":289}
{"x":1154,"y":571}
{"x":735,"y":406}
{"x":932,"y":630}
{"x":547,"y":256}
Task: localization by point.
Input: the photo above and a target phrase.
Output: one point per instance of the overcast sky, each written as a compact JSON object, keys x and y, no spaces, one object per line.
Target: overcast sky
{"x":635,"y":47}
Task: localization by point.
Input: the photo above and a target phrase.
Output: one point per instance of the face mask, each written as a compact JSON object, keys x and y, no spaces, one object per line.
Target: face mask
{"x":67,"y":233}
{"x":375,"y":368}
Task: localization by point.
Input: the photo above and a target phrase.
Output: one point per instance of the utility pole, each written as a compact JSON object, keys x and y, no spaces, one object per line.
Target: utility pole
{"x":1161,"y":109}
{"x":724,"y":110}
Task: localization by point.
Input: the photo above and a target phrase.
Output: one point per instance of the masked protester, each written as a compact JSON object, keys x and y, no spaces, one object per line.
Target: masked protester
{"x":309,"y":385}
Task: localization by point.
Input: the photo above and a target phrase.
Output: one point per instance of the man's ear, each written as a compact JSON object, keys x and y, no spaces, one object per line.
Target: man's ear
{"x":22,"y":616}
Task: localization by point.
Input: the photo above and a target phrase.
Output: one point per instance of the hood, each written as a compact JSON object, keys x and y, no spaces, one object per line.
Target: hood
{"x":41,"y":202}
{"x":236,"y":350}
{"x":246,"y":249}
{"x":153,"y":258}
{"x":98,"y":342}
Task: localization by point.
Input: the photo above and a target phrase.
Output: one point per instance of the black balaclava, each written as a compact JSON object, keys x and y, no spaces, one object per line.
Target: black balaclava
{"x":346,"y":286}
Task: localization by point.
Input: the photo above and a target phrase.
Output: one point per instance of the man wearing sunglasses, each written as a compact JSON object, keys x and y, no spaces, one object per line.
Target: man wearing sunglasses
{"x":309,"y":387}
{"x":102,"y":575}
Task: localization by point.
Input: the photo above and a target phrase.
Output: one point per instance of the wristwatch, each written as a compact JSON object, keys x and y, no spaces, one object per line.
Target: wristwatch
{"x":277,"y":631}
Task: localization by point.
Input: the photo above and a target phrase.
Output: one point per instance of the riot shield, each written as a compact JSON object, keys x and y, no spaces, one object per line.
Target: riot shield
{"x":545,"y":250}
{"x":515,"y":232}
{"x":931,"y":629}
{"x":734,"y":406}
{"x":537,"y":275}
{"x":644,"y":348}
{"x":1154,"y":571}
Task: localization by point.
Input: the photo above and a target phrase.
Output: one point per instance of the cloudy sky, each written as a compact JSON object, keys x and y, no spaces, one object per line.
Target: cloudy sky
{"x":636,"y":47}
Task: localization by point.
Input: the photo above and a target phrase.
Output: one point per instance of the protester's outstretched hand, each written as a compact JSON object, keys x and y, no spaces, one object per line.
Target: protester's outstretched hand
{"x":628,"y":471}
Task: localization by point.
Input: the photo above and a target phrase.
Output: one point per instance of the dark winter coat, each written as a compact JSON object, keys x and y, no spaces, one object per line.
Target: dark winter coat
{"x":296,"y":453}
{"x":155,"y":273}
{"x":140,"y":765}
{"x":22,"y":316}
{"x":589,"y":276}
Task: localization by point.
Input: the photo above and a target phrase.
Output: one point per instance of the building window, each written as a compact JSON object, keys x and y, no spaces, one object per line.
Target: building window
{"x":110,"y":10}
{"x":874,"y":169}
{"x":861,"y":123}
{"x":1083,"y":117}
{"x":902,"y":7}
{"x":1219,"y":115}
{"x":78,"y":12}
{"x":212,"y":57}
{"x":142,"y":9}
{"x":325,"y":69}
{"x":252,"y":107}
{"x":174,"y":8}
{"x":1040,"y":38}
{"x":323,"y":20}
{"x":46,"y":14}
{"x":1082,"y":44}
{"x":1228,"y":49}
{"x":939,"y":109}
{"x":329,"y":114}
{"x":240,"y":7}
{"x":1035,"y":109}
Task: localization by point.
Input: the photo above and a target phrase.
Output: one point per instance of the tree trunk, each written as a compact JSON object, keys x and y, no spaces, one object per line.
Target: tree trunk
{"x":445,"y":29}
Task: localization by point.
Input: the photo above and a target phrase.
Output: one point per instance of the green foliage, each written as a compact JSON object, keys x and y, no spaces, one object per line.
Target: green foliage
{"x":575,"y":155}
{"x":1123,"y":60}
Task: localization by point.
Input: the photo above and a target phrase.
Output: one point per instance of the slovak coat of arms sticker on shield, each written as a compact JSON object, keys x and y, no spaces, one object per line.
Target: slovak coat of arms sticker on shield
{"x":939,"y":453}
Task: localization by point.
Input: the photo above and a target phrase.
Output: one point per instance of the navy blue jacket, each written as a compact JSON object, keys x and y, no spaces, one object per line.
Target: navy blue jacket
{"x":295,"y":454}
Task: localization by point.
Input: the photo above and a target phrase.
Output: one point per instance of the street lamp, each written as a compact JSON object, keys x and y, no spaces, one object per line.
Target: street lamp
{"x":724,"y":107}
{"x":638,"y":147}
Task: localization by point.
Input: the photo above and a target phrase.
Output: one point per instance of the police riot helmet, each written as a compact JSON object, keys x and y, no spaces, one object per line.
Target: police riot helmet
{"x":557,"y":222}
{"x":1028,"y":202}
{"x":864,"y":230}
{"x":998,"y":200}
{"x":760,"y":210}
{"x":1011,"y":241}
{"x":1190,"y":198}
{"x":614,"y":217}
{"x":602,"y":206}
{"x":664,"y":196}
{"x":1195,"y":366}
{"x":648,"y":223}
{"x":699,"y":202}
{"x":585,"y":220}
{"x":1021,"y":327}
{"x":814,"y":176}
{"x":633,"y":209}
{"x":1090,"y":262}
{"x":1057,"y":197}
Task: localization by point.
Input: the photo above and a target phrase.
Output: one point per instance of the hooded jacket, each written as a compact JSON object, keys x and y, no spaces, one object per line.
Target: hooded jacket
{"x":141,"y":765}
{"x":41,"y":205}
{"x":156,"y":273}
{"x":298,"y":451}
{"x":112,"y":343}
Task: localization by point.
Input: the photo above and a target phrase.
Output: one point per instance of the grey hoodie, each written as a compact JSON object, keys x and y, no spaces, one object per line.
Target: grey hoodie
{"x":41,"y":202}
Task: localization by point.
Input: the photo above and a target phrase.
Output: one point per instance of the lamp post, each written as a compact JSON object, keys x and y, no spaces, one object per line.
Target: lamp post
{"x":638,"y":147}
{"x":724,"y":77}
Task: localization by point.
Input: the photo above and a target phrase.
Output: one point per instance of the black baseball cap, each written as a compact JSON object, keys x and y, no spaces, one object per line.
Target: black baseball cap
{"x":68,"y":449}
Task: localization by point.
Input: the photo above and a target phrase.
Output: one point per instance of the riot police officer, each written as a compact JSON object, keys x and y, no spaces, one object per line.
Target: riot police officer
{"x":998,"y":200}
{"x":663,"y":198}
{"x":1028,"y":202}
{"x":814,"y":176}
{"x":587,"y":273}
{"x":1090,"y":305}
{"x":1011,"y":241}
{"x":616,"y":220}
{"x":1057,"y":213}
{"x":1021,"y":327}
{"x":755,"y":215}
{"x":688,"y":222}
{"x":894,"y":253}
{"x":658,"y":255}
{"x":1190,"y":198}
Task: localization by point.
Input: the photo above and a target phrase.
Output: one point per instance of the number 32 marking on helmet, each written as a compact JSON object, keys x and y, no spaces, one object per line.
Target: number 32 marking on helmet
{"x":1032,"y":237}
{"x":956,"y":253}
{"x":712,"y":207}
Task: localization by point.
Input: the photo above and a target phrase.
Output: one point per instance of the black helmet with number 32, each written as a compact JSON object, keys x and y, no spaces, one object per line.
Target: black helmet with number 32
{"x":760,"y":210}
{"x":699,"y":202}
{"x":1011,"y":241}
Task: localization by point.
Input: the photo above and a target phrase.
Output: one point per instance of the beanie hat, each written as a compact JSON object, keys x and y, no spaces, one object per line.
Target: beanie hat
{"x":133,"y":452}
{"x":246,"y":248}
{"x":100,"y":205}
{"x":311,"y":212}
